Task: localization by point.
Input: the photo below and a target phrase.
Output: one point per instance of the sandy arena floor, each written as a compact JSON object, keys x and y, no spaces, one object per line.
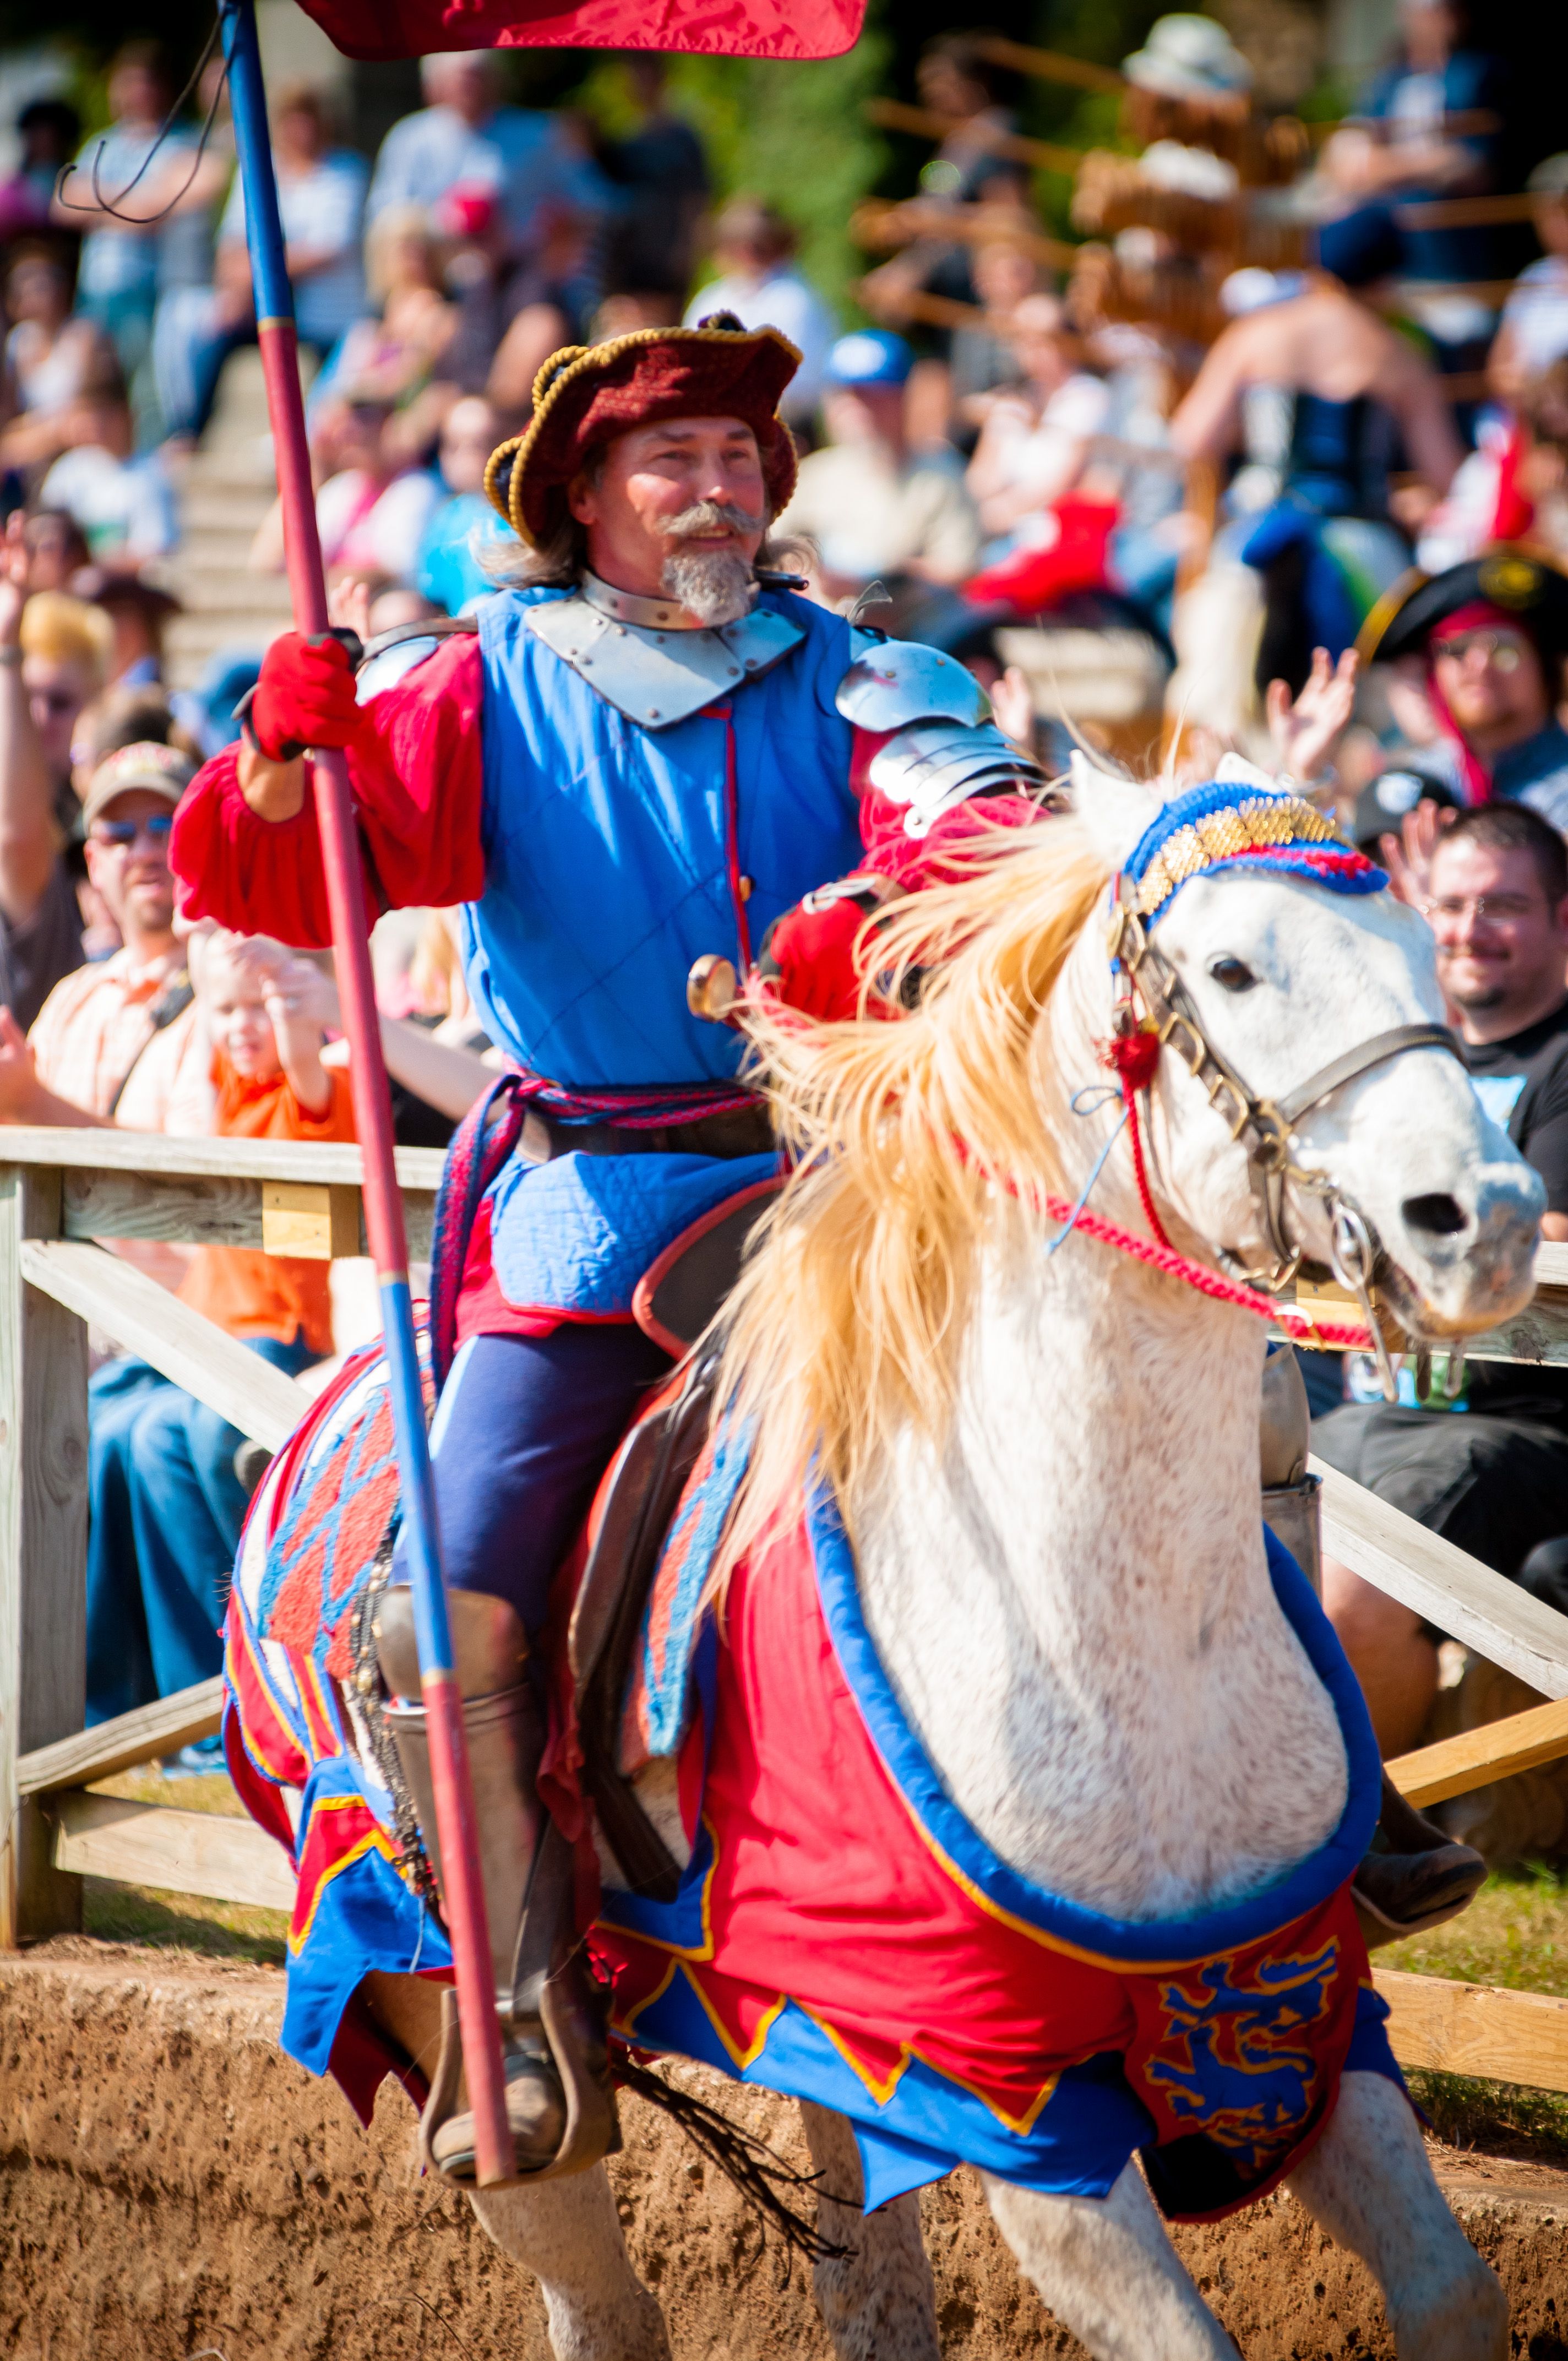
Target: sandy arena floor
{"x":173,"y":2185}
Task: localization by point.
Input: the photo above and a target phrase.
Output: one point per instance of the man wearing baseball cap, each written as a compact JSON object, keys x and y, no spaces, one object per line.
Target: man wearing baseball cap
{"x":647,"y":749}
{"x":1492,"y":634}
{"x":874,"y":507}
{"x":111,"y":1041}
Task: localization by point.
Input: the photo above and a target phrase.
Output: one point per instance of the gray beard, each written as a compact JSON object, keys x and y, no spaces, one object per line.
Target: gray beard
{"x":716,"y":585}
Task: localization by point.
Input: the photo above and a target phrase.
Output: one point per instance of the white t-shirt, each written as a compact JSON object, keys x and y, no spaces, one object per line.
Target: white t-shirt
{"x":1041,"y":454}
{"x":521,"y":155}
{"x":1537,"y":311}
{"x":124,"y":506}
{"x":786,"y":301}
{"x":380,"y":535}
{"x":869,"y":517}
{"x":323,"y":209}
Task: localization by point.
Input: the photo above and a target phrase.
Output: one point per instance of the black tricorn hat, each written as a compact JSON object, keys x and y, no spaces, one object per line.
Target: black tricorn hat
{"x":1524,"y":586}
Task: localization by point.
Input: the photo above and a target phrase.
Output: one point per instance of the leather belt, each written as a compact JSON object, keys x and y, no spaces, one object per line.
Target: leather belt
{"x":744,"y":1131}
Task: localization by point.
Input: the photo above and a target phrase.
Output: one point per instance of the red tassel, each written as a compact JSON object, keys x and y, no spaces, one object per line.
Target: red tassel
{"x":1133,"y":1058}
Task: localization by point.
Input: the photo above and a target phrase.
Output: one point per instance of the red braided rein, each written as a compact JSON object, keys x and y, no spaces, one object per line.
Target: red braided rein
{"x":1166,"y":1259}
{"x":1132,"y":1056}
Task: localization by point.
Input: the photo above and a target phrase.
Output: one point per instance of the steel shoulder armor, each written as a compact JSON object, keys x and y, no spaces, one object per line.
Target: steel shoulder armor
{"x":944,"y":748}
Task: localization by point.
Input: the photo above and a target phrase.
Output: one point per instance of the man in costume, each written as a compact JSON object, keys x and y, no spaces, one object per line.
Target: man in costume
{"x":1492,"y":633}
{"x":648,"y":749}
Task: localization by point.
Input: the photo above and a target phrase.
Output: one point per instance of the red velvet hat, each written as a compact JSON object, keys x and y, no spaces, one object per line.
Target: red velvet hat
{"x":587,"y":394}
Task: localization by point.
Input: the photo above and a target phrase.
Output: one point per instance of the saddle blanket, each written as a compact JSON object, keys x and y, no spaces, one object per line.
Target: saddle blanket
{"x":841,"y":1933}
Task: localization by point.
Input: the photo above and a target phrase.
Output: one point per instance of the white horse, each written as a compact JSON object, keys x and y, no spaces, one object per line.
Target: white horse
{"x":1048,"y":1463}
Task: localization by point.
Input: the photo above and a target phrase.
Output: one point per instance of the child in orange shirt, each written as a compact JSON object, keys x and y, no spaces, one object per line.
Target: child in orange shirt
{"x":254,"y":1000}
{"x":166,"y":1501}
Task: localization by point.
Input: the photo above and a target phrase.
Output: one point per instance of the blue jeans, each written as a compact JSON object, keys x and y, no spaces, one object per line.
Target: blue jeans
{"x":165,"y":1509}
{"x":524,"y":1428}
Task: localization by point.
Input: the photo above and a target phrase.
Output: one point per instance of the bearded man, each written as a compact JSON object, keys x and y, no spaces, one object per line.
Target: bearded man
{"x":648,"y":751}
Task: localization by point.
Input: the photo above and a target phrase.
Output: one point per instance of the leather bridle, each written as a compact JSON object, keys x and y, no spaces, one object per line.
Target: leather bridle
{"x":1265,"y":1127}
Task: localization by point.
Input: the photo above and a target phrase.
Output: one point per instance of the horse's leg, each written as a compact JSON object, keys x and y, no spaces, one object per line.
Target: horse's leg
{"x":1370,"y":2185}
{"x":876,"y":2300}
{"x":568,"y":2235}
{"x":565,"y":2232}
{"x":1109,"y":2272}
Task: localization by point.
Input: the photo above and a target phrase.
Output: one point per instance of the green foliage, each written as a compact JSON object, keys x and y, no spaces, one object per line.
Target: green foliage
{"x":792,"y":134}
{"x":1496,"y":2118}
{"x":1514,"y":1933}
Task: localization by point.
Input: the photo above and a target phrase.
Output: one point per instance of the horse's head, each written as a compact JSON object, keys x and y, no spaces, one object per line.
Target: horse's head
{"x":1299,"y":969}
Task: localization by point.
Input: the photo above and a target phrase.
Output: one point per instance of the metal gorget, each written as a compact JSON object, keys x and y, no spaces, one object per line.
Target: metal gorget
{"x":647,"y":658}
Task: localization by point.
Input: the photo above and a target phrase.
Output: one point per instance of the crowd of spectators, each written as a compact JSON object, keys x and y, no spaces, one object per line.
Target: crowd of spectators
{"x":1153,"y":489}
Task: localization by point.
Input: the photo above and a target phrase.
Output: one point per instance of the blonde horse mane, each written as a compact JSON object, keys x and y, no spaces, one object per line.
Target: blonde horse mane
{"x":851,"y":1314}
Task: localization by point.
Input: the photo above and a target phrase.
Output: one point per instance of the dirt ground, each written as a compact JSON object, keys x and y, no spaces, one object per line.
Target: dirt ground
{"x":171,"y":2185}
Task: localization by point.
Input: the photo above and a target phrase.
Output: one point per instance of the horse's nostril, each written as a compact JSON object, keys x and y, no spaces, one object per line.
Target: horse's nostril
{"x":1440,"y":1214}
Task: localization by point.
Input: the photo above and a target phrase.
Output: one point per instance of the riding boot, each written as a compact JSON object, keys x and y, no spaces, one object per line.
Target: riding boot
{"x":559,"y":2105}
{"x":1412,"y":1876}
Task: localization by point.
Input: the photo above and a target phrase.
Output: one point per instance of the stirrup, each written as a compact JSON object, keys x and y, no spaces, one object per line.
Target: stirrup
{"x":561,"y":2103}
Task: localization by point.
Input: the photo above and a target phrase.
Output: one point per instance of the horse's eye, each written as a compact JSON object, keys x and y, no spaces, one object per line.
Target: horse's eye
{"x":1232,"y":974}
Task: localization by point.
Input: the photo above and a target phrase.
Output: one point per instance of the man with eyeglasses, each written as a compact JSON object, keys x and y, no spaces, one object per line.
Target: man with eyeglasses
{"x":112,"y":1040}
{"x":1491,"y":634}
{"x":1495,"y":1479}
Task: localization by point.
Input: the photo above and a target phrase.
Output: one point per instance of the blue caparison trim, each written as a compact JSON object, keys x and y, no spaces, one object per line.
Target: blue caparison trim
{"x":1119,"y":1942}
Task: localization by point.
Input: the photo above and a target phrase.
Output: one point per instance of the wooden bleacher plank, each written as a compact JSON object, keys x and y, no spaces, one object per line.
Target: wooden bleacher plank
{"x":150,"y":1731}
{"x":1474,"y":1758}
{"x":1482,"y":2029}
{"x":145,"y":1319}
{"x":157,"y":1844}
{"x":1453,"y":1591}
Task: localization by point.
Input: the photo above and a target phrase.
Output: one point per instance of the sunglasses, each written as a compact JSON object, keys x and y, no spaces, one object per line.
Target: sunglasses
{"x":125,"y":831}
{"x":1503,"y":650}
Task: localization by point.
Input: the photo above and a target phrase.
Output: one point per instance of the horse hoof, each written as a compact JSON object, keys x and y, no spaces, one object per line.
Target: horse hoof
{"x":536,"y":2116}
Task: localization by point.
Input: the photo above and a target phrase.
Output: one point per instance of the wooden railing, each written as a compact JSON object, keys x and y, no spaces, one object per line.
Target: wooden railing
{"x":61,"y":1191}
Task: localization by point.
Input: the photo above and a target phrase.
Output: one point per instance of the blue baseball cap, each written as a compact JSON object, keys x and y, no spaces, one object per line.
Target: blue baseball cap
{"x":870,"y":357}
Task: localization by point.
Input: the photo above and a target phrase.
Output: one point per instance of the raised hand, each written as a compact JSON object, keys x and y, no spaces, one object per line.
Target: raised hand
{"x":1306,"y":734}
{"x":1407,"y":856}
{"x":14,"y":563}
{"x":1014,"y":708}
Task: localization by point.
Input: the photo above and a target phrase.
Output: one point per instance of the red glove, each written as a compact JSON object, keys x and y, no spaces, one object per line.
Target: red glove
{"x":304,"y":696}
{"x":809,"y":956}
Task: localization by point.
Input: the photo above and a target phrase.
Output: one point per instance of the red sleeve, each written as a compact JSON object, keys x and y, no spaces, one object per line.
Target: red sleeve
{"x":809,"y":958}
{"x":911,"y":862}
{"x":418,"y":777}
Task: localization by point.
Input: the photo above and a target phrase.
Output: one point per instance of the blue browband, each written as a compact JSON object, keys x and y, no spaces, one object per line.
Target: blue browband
{"x":1232,"y":824}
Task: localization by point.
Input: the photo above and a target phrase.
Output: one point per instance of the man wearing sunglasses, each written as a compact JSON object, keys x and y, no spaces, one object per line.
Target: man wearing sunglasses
{"x":1492,"y":634}
{"x":90,"y":1058}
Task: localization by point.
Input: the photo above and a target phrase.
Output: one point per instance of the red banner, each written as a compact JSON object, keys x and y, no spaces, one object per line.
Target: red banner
{"x":374,"y":29}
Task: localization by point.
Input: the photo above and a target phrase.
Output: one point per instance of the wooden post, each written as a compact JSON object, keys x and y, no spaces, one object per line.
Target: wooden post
{"x":43,"y":1552}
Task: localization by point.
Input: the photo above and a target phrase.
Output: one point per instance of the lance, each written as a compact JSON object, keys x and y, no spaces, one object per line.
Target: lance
{"x":463,"y":1894}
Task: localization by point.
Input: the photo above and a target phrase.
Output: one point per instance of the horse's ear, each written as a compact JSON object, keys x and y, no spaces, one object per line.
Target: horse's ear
{"x":1237,"y":769}
{"x":1114,"y":809}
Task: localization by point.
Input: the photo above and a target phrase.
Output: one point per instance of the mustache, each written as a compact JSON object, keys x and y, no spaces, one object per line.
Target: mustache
{"x":705,"y":516}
